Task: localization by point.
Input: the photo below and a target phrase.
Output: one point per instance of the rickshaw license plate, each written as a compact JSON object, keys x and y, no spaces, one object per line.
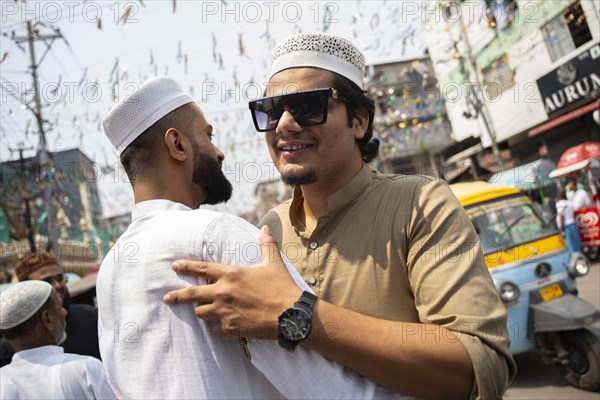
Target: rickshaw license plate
{"x":551,"y":292}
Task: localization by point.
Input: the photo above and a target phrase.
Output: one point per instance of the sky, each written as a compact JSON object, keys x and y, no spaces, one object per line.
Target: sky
{"x":217,"y":50}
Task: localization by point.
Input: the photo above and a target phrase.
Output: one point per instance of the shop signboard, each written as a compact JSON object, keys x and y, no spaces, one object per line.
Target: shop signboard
{"x":575,"y":81}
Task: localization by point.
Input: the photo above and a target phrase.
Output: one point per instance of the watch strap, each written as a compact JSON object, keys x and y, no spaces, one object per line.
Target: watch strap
{"x":286,"y":343}
{"x":309,"y":299}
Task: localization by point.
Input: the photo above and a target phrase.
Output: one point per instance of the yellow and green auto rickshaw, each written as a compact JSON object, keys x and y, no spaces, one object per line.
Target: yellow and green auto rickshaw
{"x":535,"y":277}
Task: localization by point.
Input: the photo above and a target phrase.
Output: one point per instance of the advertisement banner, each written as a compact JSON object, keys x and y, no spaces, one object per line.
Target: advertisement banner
{"x":588,"y":222}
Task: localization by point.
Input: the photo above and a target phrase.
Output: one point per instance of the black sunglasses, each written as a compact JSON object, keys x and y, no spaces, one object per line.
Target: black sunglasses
{"x":308,"y":107}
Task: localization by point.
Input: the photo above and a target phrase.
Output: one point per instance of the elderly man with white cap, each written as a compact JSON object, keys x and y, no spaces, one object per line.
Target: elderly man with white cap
{"x":394,"y":260}
{"x":32,"y":319}
{"x":151,"y":349}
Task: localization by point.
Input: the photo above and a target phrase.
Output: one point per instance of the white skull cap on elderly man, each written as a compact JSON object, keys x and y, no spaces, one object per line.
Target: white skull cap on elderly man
{"x":319,"y":50}
{"x":21,"y":301}
{"x":137,"y":112}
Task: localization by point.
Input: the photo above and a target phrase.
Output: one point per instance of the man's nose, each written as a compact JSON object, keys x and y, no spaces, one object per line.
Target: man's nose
{"x":287,"y":123}
{"x":220,"y":154}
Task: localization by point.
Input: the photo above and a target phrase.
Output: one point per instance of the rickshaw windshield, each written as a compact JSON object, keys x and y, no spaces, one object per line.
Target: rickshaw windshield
{"x":507,"y":222}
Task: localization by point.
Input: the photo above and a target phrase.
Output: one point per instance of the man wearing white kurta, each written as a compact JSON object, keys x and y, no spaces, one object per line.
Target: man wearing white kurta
{"x":33,"y":320}
{"x":48,"y":372}
{"x":150,"y":349}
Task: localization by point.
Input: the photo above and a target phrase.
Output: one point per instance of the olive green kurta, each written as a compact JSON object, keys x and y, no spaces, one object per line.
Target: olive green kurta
{"x":402,"y":248}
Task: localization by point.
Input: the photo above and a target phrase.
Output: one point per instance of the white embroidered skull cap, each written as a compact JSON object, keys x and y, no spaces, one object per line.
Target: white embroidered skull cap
{"x":137,"y":112}
{"x":319,"y":50}
{"x":21,"y":301}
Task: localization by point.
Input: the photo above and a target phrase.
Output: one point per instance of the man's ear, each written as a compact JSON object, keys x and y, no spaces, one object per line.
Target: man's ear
{"x":48,"y":321}
{"x":360,"y":122}
{"x":177,"y":144}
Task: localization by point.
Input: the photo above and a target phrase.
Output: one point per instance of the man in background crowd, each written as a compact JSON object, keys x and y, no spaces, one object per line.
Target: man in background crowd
{"x":578,"y":197}
{"x":82,"y":319}
{"x":566,"y":223}
{"x":32,"y":319}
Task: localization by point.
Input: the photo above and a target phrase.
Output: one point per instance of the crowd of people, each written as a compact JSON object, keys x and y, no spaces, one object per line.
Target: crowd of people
{"x":344,"y":292}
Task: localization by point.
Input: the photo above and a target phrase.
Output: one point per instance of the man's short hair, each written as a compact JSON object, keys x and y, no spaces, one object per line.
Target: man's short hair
{"x":355,"y":99}
{"x":140,"y":158}
{"x":32,"y":263}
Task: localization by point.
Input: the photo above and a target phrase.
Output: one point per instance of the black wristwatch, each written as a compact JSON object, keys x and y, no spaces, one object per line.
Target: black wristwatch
{"x":295,"y":323}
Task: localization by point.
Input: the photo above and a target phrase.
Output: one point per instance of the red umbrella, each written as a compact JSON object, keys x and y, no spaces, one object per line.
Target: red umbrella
{"x":576,"y":158}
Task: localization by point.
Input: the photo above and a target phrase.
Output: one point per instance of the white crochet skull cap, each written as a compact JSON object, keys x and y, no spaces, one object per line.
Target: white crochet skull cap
{"x":21,"y":301}
{"x":137,"y":112}
{"x":319,"y":50}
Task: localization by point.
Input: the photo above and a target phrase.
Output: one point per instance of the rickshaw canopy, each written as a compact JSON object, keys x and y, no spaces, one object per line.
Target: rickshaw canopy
{"x":469,"y":193}
{"x":576,"y":158}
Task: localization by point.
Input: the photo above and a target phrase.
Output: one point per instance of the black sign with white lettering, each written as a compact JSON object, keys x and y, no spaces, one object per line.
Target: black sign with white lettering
{"x":574,"y":81}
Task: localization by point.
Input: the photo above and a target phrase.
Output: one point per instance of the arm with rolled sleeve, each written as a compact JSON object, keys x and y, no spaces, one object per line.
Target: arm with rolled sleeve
{"x":460,"y":341}
{"x":454,"y":289}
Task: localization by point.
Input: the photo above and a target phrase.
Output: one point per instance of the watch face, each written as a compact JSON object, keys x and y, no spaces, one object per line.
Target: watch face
{"x":295,"y":324}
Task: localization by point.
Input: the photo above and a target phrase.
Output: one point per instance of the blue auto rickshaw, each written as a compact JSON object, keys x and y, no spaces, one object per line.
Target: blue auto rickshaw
{"x":535,"y":277}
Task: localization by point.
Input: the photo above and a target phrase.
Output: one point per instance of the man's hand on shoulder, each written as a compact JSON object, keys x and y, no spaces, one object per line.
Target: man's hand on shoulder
{"x":245,"y":300}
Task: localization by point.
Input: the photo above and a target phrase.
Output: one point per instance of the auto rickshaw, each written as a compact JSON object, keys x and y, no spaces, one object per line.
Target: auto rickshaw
{"x":535,"y":277}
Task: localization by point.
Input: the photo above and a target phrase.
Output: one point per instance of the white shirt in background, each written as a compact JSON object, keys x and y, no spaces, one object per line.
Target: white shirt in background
{"x":47,"y":372}
{"x":579,"y":198}
{"x":565,"y":208}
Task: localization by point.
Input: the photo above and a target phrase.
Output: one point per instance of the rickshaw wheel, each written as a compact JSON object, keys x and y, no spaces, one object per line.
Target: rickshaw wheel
{"x":592,"y":253}
{"x":582,"y":367}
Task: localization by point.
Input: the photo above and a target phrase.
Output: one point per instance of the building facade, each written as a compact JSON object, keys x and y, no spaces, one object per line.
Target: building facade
{"x":71,"y":182}
{"x":520,"y":79}
{"x":410,"y":117}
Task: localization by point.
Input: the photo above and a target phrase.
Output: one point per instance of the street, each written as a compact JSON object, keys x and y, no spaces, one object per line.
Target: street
{"x":537,"y":378}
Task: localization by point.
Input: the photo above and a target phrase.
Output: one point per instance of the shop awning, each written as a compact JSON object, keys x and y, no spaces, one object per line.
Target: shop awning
{"x":594,"y":105}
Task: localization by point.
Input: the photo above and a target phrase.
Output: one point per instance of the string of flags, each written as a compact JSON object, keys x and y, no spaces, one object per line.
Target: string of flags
{"x":223,"y":61}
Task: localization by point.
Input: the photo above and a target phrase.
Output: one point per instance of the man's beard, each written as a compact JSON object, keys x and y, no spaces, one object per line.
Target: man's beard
{"x":209,"y":176}
{"x":296,"y":179}
{"x":63,"y":337}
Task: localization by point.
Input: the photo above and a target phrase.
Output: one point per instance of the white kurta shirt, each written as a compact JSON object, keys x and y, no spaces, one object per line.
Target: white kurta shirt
{"x":152,"y":350}
{"x":579,"y":198}
{"x":48,"y":372}
{"x":565,"y":208}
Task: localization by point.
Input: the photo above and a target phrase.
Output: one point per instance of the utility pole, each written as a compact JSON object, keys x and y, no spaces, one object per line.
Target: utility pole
{"x":26,"y":197}
{"x":480,"y":108}
{"x":47,"y":168}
